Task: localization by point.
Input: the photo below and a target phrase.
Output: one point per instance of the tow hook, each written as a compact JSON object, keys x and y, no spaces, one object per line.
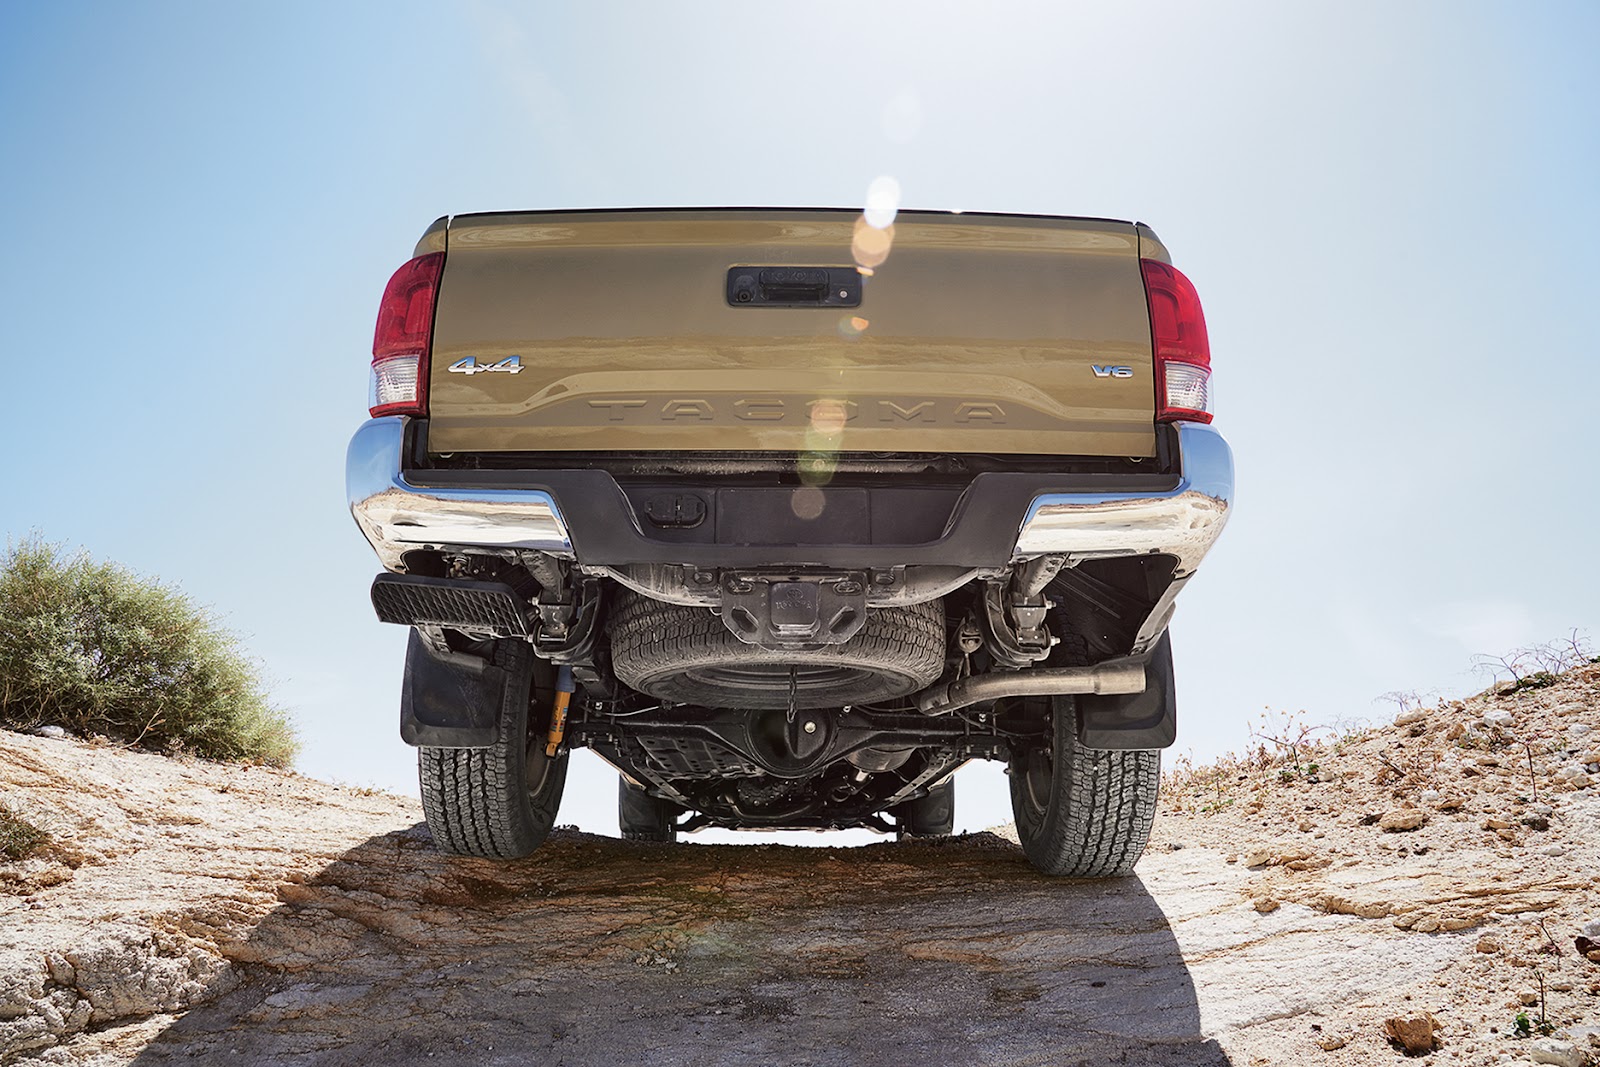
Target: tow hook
{"x":558,"y":711}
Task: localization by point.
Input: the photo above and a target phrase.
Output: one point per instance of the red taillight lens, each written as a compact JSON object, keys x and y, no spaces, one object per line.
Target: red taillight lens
{"x":1182,"y":349}
{"x":404,"y":338}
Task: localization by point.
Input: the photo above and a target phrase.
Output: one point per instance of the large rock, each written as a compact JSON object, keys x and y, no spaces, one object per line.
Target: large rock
{"x":1414,"y":1033}
{"x":1402,"y":819}
{"x":1560,"y":1053}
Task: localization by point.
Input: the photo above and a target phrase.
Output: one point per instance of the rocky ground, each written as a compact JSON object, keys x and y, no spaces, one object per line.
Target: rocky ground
{"x":1474,"y":823}
{"x":1435,"y":873}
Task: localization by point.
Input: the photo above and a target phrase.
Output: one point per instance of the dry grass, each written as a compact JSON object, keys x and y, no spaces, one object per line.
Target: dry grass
{"x":19,"y":838}
{"x":1287,"y":749}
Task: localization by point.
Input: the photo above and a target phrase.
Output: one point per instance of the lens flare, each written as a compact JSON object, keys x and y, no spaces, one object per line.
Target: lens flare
{"x":852,"y":326}
{"x":829,"y":416}
{"x":883,"y":202}
{"x":870,"y":245}
{"x":816,"y":468}
{"x":806,"y":502}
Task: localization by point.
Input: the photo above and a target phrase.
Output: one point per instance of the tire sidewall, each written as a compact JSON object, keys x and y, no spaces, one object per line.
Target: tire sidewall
{"x":1038,"y":825}
{"x":537,"y":778}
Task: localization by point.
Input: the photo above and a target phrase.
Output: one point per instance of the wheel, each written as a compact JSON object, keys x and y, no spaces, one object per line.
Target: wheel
{"x":498,"y":802}
{"x":1081,"y":812}
{"x":642,"y":817}
{"x":931,"y":816}
{"x":685,"y":654}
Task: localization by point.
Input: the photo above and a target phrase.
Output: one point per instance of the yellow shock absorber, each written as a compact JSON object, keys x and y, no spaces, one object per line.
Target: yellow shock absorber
{"x":558,"y":711}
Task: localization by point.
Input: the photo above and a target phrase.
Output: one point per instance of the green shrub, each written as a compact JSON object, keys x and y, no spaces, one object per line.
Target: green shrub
{"x":19,"y":838}
{"x":95,"y":649}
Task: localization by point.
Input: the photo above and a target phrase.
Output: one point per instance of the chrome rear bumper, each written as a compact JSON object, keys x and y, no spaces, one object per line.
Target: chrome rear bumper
{"x":397,"y":516}
{"x":1184,"y":523}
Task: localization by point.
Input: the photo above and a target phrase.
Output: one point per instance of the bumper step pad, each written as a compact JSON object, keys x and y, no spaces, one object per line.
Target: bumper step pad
{"x":481,"y":607}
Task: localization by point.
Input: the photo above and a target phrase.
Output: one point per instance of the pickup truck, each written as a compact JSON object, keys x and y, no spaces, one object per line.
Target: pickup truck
{"x":787,"y":515}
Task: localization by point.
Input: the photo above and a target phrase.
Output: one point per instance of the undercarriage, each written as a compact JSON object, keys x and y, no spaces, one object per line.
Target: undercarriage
{"x":839,"y":684}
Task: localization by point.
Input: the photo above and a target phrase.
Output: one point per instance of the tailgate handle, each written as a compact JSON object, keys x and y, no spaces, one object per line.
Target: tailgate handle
{"x":794,"y":287}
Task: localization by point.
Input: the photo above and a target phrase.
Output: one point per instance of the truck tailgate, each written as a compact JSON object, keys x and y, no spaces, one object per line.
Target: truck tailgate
{"x":679,"y":330}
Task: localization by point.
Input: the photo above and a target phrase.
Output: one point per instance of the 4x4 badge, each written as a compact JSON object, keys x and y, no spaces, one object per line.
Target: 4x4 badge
{"x":470,"y":365}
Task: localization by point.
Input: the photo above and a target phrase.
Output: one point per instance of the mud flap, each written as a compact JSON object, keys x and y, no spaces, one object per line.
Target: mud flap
{"x":453,"y":700}
{"x":1144,"y":720}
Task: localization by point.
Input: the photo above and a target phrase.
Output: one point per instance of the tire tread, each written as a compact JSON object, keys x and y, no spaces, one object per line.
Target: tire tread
{"x":1110,"y":797}
{"x":475,"y":800}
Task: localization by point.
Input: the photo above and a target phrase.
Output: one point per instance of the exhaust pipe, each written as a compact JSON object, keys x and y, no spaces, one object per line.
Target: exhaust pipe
{"x":1115,"y":676}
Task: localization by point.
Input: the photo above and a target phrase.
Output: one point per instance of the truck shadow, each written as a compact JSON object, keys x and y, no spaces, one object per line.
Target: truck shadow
{"x":597,"y":951}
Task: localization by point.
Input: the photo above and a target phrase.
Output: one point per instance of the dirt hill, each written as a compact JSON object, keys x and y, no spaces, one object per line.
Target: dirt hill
{"x":1286,"y":909}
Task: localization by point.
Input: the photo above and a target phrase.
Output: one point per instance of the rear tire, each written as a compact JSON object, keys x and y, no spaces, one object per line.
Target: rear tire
{"x":931,"y":816}
{"x":1080,"y":812}
{"x":498,"y":802}
{"x":642,"y":817}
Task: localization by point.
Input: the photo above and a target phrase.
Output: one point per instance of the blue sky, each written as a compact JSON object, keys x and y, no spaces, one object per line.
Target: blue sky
{"x":1388,"y":209}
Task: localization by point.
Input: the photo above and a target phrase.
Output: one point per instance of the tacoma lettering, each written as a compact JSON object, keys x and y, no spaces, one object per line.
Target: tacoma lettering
{"x":778,"y":409}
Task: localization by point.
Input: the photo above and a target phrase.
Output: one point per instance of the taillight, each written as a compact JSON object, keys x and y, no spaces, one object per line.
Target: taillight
{"x":1182,"y":350}
{"x":404,"y":339}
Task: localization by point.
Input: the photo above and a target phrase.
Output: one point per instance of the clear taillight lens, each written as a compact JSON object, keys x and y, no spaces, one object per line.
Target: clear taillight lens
{"x":404,"y":338}
{"x":1188,"y":390}
{"x":1182,"y":348}
{"x":394,"y":386}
